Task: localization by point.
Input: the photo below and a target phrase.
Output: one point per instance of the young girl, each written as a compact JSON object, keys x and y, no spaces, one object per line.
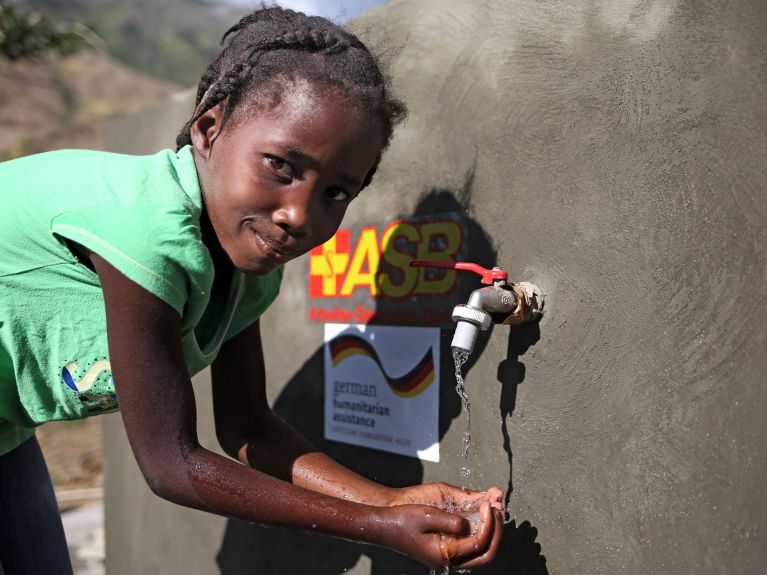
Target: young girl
{"x":121,"y":276}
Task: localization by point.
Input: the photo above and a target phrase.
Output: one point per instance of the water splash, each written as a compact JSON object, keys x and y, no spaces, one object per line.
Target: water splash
{"x":446,"y":571}
{"x":460,"y":357}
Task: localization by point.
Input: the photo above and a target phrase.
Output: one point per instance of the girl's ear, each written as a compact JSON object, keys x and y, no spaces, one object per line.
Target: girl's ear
{"x":205,"y":129}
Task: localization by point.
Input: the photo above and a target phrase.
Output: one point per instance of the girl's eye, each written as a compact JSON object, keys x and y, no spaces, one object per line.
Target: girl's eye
{"x":280,"y":166}
{"x":338,"y":195}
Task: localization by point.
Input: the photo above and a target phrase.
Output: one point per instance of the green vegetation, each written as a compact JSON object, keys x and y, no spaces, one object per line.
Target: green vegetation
{"x":26,"y":33}
{"x":169,"y":39}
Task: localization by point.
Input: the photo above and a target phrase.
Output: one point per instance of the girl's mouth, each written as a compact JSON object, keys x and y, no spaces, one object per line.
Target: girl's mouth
{"x":272,"y":250}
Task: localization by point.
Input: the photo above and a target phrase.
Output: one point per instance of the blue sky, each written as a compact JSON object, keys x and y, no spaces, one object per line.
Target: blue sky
{"x":336,"y":10}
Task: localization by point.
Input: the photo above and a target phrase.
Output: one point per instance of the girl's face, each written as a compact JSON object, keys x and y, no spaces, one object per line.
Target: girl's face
{"x":276,"y":183}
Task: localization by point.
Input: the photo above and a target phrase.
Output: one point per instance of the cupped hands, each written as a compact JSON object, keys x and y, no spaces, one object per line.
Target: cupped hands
{"x":443,"y":525}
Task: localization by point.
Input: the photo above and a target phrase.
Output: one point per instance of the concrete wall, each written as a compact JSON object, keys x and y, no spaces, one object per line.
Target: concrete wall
{"x":614,"y":153}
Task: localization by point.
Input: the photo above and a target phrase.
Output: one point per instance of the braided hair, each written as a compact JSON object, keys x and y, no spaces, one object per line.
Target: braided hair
{"x":272,"y":47}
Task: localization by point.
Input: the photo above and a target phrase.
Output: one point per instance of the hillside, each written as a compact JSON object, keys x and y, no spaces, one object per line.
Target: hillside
{"x":63,"y":103}
{"x":170,"y":39}
{"x":150,"y":49}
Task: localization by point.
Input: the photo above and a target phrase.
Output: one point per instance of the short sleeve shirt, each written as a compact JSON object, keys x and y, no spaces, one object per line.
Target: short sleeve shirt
{"x":142,"y":215}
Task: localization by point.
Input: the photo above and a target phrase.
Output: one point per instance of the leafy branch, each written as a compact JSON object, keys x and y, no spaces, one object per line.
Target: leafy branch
{"x":27,"y":33}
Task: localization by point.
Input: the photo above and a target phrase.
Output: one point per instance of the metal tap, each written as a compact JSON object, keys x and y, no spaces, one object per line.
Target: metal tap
{"x":500,"y":302}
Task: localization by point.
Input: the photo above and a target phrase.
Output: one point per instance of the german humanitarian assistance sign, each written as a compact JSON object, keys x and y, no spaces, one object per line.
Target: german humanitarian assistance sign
{"x":381,"y":388}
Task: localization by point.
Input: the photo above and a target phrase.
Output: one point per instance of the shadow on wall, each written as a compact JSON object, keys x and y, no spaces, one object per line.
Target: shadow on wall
{"x":511,"y":373}
{"x":249,"y":548}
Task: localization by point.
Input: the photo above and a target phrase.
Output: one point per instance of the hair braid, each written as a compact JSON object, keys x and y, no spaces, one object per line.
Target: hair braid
{"x":205,"y":81}
{"x":211,"y":91}
{"x":267,"y":49}
{"x":222,"y":87}
{"x":273,"y":14}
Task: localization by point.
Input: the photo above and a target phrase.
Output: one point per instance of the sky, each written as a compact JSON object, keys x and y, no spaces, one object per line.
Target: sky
{"x":336,"y":10}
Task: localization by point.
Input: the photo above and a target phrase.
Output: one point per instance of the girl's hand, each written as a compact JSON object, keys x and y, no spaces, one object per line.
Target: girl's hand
{"x":447,"y":497}
{"x":439,"y":538}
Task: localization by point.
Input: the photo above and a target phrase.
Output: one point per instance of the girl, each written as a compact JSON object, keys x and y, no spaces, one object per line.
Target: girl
{"x":121,"y":276}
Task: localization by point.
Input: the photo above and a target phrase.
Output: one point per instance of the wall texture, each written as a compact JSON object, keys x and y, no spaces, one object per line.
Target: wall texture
{"x":613,"y":153}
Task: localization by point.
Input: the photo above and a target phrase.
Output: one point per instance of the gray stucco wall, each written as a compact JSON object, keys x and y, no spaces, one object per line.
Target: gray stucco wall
{"x":614,"y":153}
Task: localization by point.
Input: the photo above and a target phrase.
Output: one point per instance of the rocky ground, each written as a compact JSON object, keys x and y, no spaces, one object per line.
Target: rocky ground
{"x":73,"y":451}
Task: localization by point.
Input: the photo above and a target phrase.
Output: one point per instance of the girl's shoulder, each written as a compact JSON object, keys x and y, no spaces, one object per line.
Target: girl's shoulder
{"x":90,"y":172}
{"x":143,"y":216}
{"x":71,"y":161}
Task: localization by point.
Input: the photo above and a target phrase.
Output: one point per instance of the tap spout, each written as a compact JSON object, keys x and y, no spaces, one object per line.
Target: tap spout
{"x":469,"y":322}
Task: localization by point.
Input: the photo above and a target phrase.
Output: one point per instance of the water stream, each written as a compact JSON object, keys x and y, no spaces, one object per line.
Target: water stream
{"x":460,"y":357}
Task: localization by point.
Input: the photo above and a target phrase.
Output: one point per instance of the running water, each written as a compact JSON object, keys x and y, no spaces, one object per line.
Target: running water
{"x":446,"y":571}
{"x":460,"y":357}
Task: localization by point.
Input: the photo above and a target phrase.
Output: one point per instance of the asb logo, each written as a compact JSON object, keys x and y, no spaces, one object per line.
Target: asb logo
{"x":408,"y":385}
{"x":379,"y":264}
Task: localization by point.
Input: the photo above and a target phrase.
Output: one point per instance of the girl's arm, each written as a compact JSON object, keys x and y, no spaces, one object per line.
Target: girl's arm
{"x":158,"y":409}
{"x":250,"y":431}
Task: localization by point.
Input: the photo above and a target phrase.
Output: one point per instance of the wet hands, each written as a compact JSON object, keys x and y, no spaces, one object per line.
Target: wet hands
{"x":440,"y":524}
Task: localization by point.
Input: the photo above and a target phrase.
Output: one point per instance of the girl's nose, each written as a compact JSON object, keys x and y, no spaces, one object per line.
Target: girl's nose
{"x":294,"y":213}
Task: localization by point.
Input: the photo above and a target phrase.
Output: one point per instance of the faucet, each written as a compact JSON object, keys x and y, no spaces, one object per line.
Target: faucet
{"x":501,"y":302}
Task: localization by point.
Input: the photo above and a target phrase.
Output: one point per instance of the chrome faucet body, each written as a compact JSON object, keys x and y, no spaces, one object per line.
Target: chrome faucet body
{"x":500,"y":303}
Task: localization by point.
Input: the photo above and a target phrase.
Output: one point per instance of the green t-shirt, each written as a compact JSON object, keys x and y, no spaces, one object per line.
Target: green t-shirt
{"x":142,"y":215}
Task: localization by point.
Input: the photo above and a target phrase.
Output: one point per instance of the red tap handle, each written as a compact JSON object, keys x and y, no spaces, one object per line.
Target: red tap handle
{"x":488,"y":276}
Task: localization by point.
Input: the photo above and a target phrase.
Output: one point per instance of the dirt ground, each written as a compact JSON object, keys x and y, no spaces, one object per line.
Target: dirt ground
{"x":73,"y":452}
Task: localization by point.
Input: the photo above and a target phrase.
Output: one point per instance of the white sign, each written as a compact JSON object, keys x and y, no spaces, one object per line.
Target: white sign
{"x":382,"y":388}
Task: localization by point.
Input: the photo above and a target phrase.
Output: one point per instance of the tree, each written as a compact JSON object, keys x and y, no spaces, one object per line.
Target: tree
{"x":27,"y":33}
